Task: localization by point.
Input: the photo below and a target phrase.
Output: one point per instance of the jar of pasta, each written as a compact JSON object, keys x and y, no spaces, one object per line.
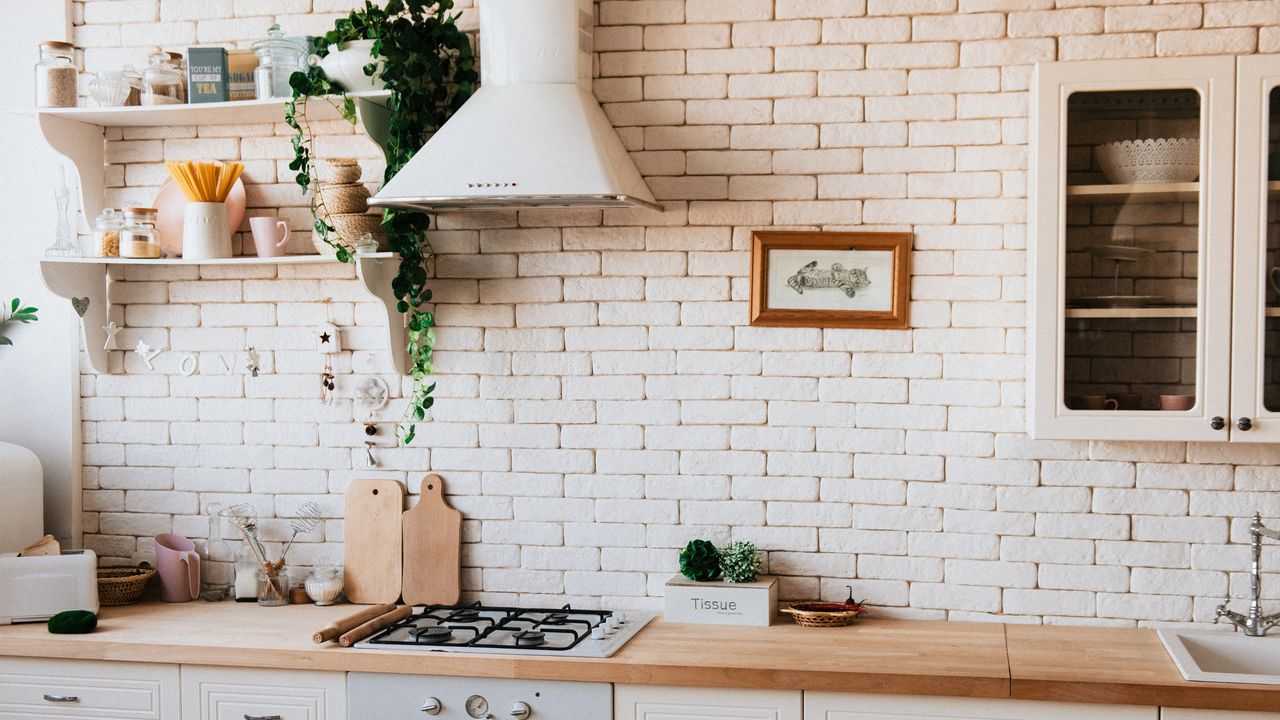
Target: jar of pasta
{"x":139,"y":237}
{"x":106,"y":233}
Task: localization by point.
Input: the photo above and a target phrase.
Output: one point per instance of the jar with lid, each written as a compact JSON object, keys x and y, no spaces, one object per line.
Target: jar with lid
{"x":162,"y":83}
{"x":139,"y":237}
{"x":180,"y":64}
{"x":134,"y":78}
{"x":106,"y":233}
{"x":278,"y":58}
{"x":56,"y":75}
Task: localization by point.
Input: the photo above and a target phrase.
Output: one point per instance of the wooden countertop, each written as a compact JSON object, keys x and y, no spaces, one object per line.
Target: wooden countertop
{"x":889,"y":656}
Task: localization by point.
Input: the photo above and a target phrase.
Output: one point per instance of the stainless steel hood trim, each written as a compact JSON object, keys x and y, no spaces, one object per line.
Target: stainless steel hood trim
{"x":516,"y":202}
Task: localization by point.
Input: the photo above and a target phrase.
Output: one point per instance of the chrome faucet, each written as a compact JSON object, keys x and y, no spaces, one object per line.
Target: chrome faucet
{"x":1255,"y":624}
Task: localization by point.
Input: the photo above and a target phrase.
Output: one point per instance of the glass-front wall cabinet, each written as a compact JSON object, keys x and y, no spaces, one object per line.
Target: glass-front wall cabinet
{"x":1131,"y":249}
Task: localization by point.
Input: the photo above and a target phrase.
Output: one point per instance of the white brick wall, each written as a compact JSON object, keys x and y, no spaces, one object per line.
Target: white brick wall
{"x":601,"y":399}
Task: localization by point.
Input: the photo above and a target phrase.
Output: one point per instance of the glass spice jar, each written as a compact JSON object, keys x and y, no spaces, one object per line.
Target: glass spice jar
{"x":180,"y":64}
{"x":162,"y":83}
{"x":106,"y":233}
{"x":139,"y":237}
{"x":278,"y":58}
{"x":134,"y":78}
{"x":56,"y":75}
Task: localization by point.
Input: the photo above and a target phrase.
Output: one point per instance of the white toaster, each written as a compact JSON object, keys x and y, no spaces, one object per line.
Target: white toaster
{"x":34,"y":589}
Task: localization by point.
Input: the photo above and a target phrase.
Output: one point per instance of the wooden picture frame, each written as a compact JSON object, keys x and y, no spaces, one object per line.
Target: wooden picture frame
{"x":829,"y":290}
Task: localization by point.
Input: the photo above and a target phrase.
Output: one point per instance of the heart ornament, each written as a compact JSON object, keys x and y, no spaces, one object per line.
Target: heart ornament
{"x":81,"y":305}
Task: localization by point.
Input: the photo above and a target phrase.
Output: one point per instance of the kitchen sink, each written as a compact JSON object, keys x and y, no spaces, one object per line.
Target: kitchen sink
{"x":1223,"y":656}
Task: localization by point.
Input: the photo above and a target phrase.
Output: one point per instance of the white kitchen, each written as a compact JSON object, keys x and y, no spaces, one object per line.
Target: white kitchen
{"x":641,"y":360}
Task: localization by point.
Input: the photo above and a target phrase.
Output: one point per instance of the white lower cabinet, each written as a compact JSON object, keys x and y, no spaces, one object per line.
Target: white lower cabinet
{"x":652,"y":702}
{"x":1190,"y":714}
{"x":858,"y":706}
{"x":65,"y":689}
{"x":217,"y":693}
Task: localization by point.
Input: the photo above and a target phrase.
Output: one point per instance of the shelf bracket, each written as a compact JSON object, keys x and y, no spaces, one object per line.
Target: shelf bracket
{"x":377,"y":274}
{"x":81,"y":283}
{"x":84,"y":145}
{"x":375,"y":118}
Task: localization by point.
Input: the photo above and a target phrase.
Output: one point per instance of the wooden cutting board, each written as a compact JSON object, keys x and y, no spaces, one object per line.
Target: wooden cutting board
{"x":432,"y":543}
{"x":371,"y":552}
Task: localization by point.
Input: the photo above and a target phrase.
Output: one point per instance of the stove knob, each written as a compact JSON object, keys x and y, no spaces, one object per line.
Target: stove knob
{"x":612,"y":622}
{"x":597,"y":632}
{"x":520,"y":710}
{"x":622,"y":617}
{"x":431,"y":706}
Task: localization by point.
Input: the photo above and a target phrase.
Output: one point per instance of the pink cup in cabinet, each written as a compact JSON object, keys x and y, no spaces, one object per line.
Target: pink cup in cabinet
{"x":178,"y":566}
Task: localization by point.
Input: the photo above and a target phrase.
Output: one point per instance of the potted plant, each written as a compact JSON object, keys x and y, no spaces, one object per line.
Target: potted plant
{"x":426,"y":61}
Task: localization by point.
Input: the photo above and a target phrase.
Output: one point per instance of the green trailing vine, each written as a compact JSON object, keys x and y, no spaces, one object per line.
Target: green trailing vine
{"x":428,"y":65}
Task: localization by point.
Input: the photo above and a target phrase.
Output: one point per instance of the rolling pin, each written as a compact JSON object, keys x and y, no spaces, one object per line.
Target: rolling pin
{"x":350,"y":622}
{"x":352,"y":637}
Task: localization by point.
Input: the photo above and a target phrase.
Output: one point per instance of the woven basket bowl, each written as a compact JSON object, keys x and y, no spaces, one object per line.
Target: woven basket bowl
{"x":122,"y":585}
{"x":822,"y":614}
{"x":339,"y":170}
{"x":348,"y":229}
{"x":343,"y":198}
{"x":1154,"y":160}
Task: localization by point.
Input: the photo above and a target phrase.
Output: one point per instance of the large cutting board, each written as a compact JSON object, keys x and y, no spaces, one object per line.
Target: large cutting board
{"x":432,"y":543}
{"x":371,"y":531}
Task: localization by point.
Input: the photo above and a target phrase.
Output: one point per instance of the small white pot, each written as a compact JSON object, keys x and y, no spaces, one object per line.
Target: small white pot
{"x":345,"y":63}
{"x":205,"y":231}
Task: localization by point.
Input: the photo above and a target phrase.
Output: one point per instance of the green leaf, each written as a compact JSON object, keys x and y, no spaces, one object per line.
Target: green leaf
{"x":5,"y":341}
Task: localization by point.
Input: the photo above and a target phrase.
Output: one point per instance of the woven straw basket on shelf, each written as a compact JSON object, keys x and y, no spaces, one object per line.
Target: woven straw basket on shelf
{"x":122,"y":585}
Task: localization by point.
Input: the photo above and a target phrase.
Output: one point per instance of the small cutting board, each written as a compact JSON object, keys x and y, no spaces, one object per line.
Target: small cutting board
{"x":432,"y":543}
{"x":371,"y":551}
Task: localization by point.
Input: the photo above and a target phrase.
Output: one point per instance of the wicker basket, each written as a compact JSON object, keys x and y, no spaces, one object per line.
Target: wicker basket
{"x":339,"y":170}
{"x":122,"y":585}
{"x":343,"y":198}
{"x":823,"y":614}
{"x":348,"y":227}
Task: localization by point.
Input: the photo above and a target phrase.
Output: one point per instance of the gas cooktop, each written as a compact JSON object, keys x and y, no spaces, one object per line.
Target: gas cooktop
{"x":565,"y":631}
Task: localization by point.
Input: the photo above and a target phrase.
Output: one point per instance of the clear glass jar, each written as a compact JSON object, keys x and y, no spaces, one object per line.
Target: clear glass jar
{"x":217,"y":569}
{"x":325,"y":584}
{"x":106,"y":233}
{"x":180,"y":64}
{"x":139,"y":237}
{"x":134,"y":78}
{"x":162,"y":82}
{"x":278,"y":58}
{"x":109,"y":89}
{"x":273,"y":590}
{"x":56,"y":75}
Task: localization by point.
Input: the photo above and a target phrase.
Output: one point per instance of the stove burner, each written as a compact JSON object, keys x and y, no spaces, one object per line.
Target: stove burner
{"x":431,"y":635}
{"x":556,"y":619}
{"x":529,"y":638}
{"x":465,"y":615}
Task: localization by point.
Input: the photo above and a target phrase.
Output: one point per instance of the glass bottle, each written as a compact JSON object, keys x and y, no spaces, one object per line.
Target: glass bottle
{"x":246,"y":583}
{"x":56,"y":75}
{"x":162,"y":83}
{"x":139,"y":237}
{"x":62,"y":246}
{"x":216,"y":568}
{"x":278,"y":58}
{"x":106,"y":233}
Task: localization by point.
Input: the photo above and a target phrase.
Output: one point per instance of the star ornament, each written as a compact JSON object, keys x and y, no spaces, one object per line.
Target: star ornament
{"x":327,"y":339}
{"x":147,"y":353}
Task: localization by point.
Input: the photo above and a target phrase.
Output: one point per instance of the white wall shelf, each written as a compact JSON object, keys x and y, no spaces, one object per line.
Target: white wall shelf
{"x":1139,"y":312}
{"x":78,"y":134}
{"x":1136,"y":192}
{"x":84,"y":283}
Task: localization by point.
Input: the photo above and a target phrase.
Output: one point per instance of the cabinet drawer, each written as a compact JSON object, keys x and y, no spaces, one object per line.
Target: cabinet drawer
{"x":645,"y":702}
{"x":856,"y":706}
{"x":210,"y":693}
{"x":76,"y":689}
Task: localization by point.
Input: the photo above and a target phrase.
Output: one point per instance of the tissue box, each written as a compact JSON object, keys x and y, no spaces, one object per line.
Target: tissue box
{"x":722,"y":603}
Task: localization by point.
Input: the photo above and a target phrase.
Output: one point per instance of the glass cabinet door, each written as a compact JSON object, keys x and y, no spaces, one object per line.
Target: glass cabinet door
{"x":1255,"y":401}
{"x":1132,"y":247}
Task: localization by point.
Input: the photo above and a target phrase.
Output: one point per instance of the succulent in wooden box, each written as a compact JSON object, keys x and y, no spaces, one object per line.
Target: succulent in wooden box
{"x":700,"y":561}
{"x":740,"y":562}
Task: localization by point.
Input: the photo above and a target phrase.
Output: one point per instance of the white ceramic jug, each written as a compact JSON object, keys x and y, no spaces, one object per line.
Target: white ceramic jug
{"x":22,"y":485}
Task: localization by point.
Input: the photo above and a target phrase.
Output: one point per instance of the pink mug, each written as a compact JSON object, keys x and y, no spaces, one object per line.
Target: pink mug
{"x":270,"y":235}
{"x":178,"y":566}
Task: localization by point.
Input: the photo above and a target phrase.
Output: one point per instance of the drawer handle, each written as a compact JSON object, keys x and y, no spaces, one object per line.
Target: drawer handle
{"x":263,"y":717}
{"x":61,"y":698}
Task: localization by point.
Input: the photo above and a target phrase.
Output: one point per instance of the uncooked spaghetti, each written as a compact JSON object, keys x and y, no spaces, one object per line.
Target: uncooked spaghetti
{"x":203,"y":181}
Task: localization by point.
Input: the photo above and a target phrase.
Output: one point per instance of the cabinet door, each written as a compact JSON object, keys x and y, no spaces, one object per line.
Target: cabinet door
{"x":647,"y":702}
{"x":851,"y":706}
{"x":1190,"y":714}
{"x":210,"y":693}
{"x":34,"y":688}
{"x":1255,"y":372}
{"x":1130,"y":252}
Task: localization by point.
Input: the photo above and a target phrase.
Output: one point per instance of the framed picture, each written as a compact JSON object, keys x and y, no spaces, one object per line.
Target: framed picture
{"x":830,"y":279}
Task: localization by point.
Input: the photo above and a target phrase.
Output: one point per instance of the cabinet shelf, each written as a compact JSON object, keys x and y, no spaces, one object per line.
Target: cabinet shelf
{"x":1136,"y":192}
{"x":83,"y":282}
{"x":1139,"y":312}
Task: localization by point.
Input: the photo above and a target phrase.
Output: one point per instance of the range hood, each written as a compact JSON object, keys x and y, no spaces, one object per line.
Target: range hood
{"x":533,"y":135}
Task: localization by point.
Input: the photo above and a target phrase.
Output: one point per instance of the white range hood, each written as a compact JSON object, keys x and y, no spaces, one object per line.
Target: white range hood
{"x":533,"y":135}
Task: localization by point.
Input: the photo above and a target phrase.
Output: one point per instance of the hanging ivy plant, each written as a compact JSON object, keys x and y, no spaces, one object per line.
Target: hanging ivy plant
{"x":429,"y":67}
